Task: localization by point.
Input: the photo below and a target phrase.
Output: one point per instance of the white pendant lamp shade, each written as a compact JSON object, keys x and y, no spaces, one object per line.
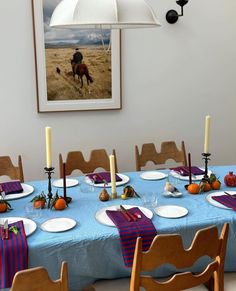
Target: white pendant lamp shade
{"x":105,"y":14}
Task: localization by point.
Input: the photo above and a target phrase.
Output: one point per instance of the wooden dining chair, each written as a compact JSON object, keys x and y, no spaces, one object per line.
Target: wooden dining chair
{"x":169,"y":151}
{"x":37,"y":279}
{"x":75,"y":161}
{"x":8,"y":169}
{"x":169,"y":249}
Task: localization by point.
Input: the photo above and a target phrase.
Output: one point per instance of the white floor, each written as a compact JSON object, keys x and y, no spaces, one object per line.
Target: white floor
{"x":123,"y":284}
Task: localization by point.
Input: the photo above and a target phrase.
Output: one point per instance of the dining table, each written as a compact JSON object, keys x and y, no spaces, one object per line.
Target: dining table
{"x":92,"y":247}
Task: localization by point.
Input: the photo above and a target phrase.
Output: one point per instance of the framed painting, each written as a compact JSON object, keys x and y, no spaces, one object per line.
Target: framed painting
{"x":76,"y":69}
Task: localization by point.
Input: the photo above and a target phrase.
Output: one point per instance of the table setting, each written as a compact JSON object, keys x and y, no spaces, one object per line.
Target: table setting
{"x":89,"y":233}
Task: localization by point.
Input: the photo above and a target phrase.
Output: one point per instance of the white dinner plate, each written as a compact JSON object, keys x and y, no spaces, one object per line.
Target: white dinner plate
{"x":186,"y":178}
{"x":27,"y":190}
{"x":153,"y":175}
{"x":69,"y":183}
{"x":29,"y":225}
{"x":102,"y":217}
{"x":125,"y":179}
{"x":58,"y":224}
{"x":216,"y":203}
{"x":171,"y":211}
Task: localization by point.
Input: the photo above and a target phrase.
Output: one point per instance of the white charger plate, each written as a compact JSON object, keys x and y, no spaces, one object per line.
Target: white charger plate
{"x":125,"y":179}
{"x":186,"y":178}
{"x":27,"y":190}
{"x":58,"y":224}
{"x":102,"y":217}
{"x":171,"y":211}
{"x":29,"y":225}
{"x":153,"y":175}
{"x":216,"y":203}
{"x":69,"y":183}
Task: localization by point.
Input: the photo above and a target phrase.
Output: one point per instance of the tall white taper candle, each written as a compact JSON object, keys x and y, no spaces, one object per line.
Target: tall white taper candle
{"x":207,"y":134}
{"x":113,"y":176}
{"x":48,"y":147}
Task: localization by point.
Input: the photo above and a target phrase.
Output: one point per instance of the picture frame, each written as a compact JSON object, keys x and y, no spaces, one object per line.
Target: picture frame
{"x":59,"y":87}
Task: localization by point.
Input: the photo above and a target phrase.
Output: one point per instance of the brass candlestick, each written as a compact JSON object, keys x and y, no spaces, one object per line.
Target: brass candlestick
{"x":49,"y":171}
{"x":114,"y":195}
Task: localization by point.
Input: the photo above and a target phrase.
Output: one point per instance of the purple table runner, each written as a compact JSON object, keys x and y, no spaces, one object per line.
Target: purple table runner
{"x":13,"y":255}
{"x":130,"y":230}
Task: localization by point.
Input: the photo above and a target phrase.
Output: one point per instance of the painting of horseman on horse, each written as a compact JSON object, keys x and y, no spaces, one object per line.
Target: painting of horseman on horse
{"x":78,"y":62}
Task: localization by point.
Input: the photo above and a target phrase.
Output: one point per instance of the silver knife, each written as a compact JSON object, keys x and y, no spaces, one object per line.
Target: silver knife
{"x":6,"y":229}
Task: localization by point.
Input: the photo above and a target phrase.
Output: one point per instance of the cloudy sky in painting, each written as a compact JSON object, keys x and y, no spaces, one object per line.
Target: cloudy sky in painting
{"x":55,"y":35}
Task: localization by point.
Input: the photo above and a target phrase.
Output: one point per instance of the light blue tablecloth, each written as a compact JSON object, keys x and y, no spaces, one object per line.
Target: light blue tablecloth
{"x":92,"y":250}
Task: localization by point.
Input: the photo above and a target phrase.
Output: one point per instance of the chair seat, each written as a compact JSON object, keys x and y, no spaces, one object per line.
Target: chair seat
{"x":123,"y":284}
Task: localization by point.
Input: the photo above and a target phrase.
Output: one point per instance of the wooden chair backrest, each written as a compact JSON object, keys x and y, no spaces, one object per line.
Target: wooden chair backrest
{"x":8,"y":169}
{"x":169,"y":249}
{"x":37,"y":279}
{"x":168,"y":151}
{"x":75,"y":161}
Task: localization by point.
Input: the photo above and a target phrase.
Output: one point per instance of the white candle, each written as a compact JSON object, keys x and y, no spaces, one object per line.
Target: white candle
{"x":207,"y":133}
{"x":48,"y":147}
{"x":113,"y":176}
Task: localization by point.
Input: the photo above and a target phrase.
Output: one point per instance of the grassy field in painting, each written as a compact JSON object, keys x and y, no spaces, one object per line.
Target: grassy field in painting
{"x":62,"y":86}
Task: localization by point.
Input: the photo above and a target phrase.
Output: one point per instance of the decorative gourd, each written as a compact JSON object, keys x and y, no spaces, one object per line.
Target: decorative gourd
{"x":104,"y":196}
{"x":230,"y":179}
{"x":128,"y":191}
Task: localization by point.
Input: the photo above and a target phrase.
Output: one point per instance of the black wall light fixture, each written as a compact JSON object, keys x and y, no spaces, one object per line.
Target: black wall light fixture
{"x":172,"y":15}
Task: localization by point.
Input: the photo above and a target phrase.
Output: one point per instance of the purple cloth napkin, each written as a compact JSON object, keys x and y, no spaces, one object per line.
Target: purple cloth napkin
{"x":183,"y":171}
{"x":13,"y":255}
{"x":11,"y":187}
{"x":226,"y":200}
{"x":130,"y":230}
{"x":99,"y":177}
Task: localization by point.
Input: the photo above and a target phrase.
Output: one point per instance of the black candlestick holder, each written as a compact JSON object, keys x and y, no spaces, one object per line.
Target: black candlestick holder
{"x":206,"y":159}
{"x":49,"y":171}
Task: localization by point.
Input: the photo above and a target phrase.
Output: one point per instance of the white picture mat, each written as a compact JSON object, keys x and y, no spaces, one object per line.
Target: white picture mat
{"x":72,"y":105}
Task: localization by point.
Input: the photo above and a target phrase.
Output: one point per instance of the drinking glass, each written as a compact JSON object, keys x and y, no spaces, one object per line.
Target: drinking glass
{"x":149,"y":199}
{"x":32,"y":212}
{"x":85,"y":185}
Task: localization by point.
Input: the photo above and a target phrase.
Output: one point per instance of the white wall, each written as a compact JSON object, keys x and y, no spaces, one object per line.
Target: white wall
{"x":171,"y":78}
